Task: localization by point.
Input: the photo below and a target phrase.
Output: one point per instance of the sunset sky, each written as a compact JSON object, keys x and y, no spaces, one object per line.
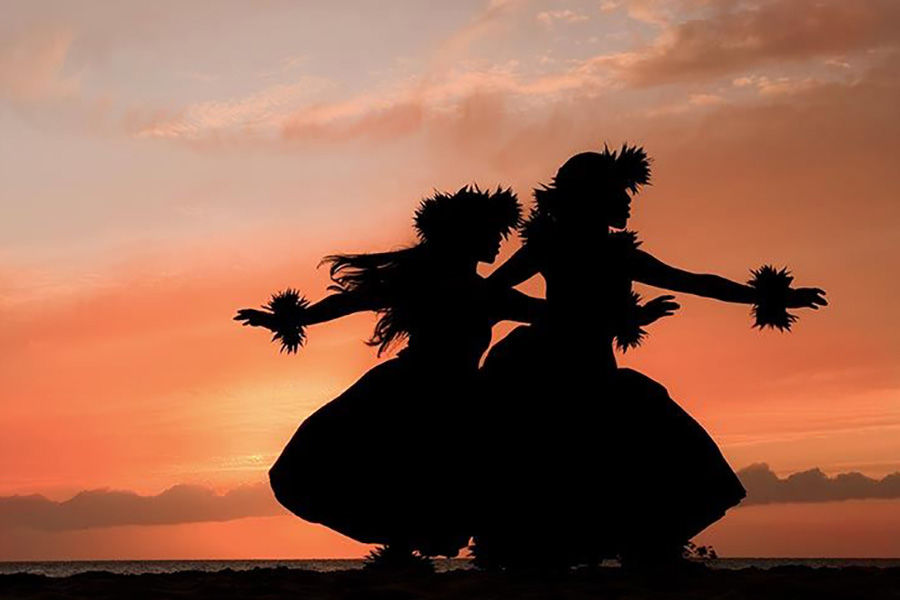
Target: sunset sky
{"x":165,"y":163}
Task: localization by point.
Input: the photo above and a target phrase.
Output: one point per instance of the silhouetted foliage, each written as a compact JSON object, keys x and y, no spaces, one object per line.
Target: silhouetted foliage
{"x":692,"y":551}
{"x":397,"y":559}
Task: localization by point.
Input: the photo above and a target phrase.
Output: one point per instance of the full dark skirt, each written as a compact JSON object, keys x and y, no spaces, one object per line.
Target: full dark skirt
{"x":380,"y":463}
{"x":586,"y":463}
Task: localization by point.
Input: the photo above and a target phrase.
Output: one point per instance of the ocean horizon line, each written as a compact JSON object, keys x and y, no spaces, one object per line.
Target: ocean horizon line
{"x":67,"y":568}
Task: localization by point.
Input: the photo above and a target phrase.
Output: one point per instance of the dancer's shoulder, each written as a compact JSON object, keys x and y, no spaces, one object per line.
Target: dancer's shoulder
{"x":538,"y":229}
{"x":625,"y":241}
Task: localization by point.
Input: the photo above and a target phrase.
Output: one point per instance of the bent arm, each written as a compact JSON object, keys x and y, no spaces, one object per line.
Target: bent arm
{"x":516,"y":306}
{"x":652,"y":271}
{"x":521,"y":266}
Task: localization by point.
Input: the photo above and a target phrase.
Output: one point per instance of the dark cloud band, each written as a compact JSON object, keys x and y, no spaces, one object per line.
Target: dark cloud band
{"x":765,"y":487}
{"x":107,"y":508}
{"x":196,"y":504}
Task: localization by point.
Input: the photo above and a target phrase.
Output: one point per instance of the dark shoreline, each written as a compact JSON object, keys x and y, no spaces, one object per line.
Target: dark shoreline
{"x":785,"y":582}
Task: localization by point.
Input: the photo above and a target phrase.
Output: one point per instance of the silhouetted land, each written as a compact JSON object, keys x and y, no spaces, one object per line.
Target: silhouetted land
{"x":772,"y":584}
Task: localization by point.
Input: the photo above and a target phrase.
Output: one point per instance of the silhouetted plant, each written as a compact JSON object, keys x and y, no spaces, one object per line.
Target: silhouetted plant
{"x":397,"y":558}
{"x":692,"y":551}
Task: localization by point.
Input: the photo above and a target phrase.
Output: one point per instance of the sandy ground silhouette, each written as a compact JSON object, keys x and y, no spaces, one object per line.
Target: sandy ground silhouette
{"x":772,"y":584}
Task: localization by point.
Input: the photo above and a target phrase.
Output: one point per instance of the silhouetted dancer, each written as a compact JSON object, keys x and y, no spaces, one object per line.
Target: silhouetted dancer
{"x":583,"y":460}
{"x":386,"y":462}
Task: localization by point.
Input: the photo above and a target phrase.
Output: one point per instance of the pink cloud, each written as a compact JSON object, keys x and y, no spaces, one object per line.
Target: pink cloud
{"x":32,"y":62}
{"x":258,"y":114}
{"x":769,"y":32}
{"x":549,"y":17}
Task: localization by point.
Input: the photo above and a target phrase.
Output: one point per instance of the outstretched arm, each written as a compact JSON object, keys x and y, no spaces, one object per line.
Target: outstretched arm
{"x":652,"y":271}
{"x":520,"y":267}
{"x":336,"y":306}
{"x":288,"y":313}
{"x":329,"y":308}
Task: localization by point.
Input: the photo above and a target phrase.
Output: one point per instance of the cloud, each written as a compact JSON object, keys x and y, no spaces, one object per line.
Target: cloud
{"x":396,"y":110}
{"x":652,"y":12}
{"x":258,"y":114}
{"x":609,"y":6}
{"x":94,"y":509}
{"x":107,"y":508}
{"x":549,"y":17}
{"x":488,"y":21}
{"x":765,"y":487}
{"x":706,"y":99}
{"x":32,"y":63}
{"x":747,"y":36}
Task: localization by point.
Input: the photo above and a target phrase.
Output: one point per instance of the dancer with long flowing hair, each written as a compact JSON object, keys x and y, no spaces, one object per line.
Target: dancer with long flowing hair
{"x":598,"y":461}
{"x":383,"y":463}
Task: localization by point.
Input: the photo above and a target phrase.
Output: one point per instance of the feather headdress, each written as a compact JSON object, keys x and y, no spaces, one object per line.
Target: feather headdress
{"x":628,"y":167}
{"x":445,"y":215}
{"x":625,"y":169}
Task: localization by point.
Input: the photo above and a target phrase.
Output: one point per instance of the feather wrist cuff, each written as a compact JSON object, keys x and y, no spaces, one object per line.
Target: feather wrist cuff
{"x":288,"y":309}
{"x":629,"y":333}
{"x":773,"y":286}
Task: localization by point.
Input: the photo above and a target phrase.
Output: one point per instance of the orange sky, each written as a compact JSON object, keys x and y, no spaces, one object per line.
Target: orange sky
{"x":166,"y":165}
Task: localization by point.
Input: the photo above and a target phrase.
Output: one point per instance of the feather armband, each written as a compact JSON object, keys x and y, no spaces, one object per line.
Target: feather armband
{"x":288,"y":309}
{"x":628,"y":331}
{"x":773,"y":288}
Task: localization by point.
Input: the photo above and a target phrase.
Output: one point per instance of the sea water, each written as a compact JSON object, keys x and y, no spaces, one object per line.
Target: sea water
{"x":138,"y":567}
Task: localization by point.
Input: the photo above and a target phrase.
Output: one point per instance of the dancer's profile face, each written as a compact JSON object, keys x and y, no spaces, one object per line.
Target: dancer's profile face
{"x":618,"y":208}
{"x":600,"y":203}
{"x":486,"y":247}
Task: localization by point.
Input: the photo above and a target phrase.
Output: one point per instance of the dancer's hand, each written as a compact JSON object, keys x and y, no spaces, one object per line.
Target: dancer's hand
{"x":806,"y":298}
{"x":256,"y":318}
{"x":659,"y":307}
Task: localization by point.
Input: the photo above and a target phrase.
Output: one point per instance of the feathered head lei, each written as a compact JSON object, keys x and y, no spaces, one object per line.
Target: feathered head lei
{"x":626,"y":168}
{"x":471,"y":209}
{"x":586,"y":176}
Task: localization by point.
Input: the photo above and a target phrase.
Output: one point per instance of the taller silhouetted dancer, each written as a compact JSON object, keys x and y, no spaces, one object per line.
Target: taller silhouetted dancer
{"x":583,"y":460}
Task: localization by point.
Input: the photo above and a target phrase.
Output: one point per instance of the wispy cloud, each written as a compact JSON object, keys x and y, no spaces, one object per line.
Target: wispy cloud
{"x":491,"y":18}
{"x":737,"y":36}
{"x":32,"y":65}
{"x":258,"y":114}
{"x":549,"y":17}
